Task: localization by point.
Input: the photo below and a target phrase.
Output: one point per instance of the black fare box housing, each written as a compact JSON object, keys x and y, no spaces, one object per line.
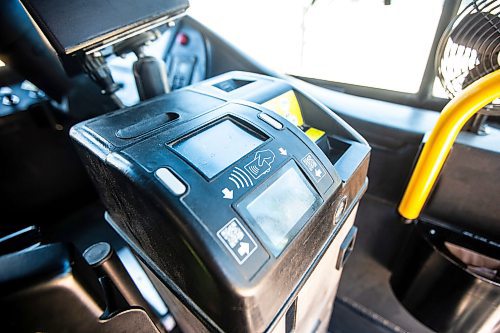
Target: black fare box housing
{"x":204,"y":230}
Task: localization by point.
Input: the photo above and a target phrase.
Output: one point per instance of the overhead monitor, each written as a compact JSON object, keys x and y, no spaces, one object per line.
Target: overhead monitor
{"x":75,"y":25}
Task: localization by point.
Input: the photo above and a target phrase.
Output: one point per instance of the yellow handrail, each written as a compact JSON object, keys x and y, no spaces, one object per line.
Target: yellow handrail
{"x":452,"y":119}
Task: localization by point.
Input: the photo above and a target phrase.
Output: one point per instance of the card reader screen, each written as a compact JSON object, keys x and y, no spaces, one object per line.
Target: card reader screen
{"x":217,"y":147}
{"x":283,"y":208}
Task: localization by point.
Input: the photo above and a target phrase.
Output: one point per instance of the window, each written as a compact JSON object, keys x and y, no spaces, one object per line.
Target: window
{"x":360,"y":42}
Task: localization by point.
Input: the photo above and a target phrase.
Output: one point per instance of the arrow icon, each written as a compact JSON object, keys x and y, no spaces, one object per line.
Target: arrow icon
{"x":228,"y":194}
{"x":318,"y":172}
{"x":282,"y":151}
{"x":244,"y":249}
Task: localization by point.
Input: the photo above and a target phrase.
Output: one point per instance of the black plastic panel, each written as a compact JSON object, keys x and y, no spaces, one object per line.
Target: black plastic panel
{"x":71,"y":25}
{"x":186,"y":57}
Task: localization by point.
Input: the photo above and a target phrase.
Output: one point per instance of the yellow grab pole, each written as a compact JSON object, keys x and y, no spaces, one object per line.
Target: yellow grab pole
{"x":452,"y":119}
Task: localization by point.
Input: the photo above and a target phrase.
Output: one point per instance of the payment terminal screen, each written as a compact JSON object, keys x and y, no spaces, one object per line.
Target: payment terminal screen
{"x":217,"y":147}
{"x":282,"y":209}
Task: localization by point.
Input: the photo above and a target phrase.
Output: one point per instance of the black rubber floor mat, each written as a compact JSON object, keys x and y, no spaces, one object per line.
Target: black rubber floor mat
{"x":351,"y":317}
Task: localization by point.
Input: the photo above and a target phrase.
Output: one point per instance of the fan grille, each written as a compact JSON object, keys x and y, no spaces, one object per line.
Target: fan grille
{"x":470,"y":48}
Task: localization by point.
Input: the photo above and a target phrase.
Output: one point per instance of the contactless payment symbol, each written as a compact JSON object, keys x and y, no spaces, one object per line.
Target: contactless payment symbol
{"x":261,"y":164}
{"x":237,"y":240}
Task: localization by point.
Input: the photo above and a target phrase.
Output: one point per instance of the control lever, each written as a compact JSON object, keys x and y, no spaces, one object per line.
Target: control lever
{"x":150,"y":77}
{"x":150,"y":73}
{"x":114,"y":277}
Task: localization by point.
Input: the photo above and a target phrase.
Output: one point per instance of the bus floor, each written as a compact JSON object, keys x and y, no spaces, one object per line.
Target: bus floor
{"x":365,"y":301}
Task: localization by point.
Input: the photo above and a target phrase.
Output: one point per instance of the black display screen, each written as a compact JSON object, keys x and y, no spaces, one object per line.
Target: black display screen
{"x":282,"y":208}
{"x":217,"y":147}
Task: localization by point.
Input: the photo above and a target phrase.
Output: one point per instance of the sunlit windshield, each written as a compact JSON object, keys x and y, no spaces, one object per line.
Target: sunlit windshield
{"x":361,"y":42}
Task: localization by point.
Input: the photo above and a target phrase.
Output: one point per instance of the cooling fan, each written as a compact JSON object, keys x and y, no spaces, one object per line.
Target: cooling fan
{"x":470,"y":49}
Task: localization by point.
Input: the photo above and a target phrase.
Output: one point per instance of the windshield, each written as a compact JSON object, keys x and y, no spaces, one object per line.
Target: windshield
{"x":360,"y":42}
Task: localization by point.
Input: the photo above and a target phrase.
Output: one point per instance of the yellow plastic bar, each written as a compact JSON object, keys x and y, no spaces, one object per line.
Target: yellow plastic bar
{"x":452,"y":119}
